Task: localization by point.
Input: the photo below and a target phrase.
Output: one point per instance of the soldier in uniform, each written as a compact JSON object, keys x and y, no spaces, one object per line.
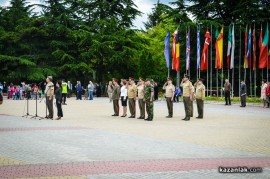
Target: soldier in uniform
{"x":200,"y":96}
{"x":148,"y":96}
{"x":187,"y":96}
{"x":169,"y":93}
{"x":49,"y":91}
{"x":132,"y":91}
{"x":243,"y":93}
{"x":115,"y":97}
{"x":64,"y":91}
{"x":140,"y":89}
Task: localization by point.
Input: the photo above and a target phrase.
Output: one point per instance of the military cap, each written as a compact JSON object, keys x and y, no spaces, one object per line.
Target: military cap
{"x":186,"y":76}
{"x":148,"y":79}
{"x":169,"y":78}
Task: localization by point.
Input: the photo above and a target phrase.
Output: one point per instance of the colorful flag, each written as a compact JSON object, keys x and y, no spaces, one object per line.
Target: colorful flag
{"x":233,"y":47}
{"x":248,"y":50}
{"x":167,"y":49}
{"x":229,"y":47}
{"x":219,"y":50}
{"x":176,"y":51}
{"x":264,"y":50}
{"x":188,"y":50}
{"x":204,"y":59}
{"x":198,"y":47}
{"x":254,"y":48}
{"x":245,"y":54}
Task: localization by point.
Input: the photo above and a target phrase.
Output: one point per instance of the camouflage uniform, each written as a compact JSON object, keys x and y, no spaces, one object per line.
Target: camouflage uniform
{"x":149,"y":104}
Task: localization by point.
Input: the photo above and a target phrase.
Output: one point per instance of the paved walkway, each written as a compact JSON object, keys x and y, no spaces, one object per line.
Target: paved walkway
{"x":89,"y":143}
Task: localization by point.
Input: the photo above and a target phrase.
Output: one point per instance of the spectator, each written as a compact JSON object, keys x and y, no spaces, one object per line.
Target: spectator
{"x":90,"y":90}
{"x":79,"y":90}
{"x":263,"y":92}
{"x":177,"y":94}
{"x":267,"y":91}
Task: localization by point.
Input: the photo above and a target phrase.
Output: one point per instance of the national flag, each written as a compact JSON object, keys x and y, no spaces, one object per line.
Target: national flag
{"x":254,"y":48}
{"x":198,"y":47}
{"x":219,"y":50}
{"x":204,"y":59}
{"x":229,"y":47}
{"x":245,"y":54}
{"x":188,"y":50}
{"x":264,"y":50}
{"x":176,"y":51}
{"x":167,"y":49}
{"x":247,"y":61}
{"x":233,"y":47}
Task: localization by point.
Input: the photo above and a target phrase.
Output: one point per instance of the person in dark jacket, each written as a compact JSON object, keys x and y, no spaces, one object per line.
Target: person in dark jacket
{"x":79,"y":90}
{"x":243,"y":93}
{"x":58,"y":97}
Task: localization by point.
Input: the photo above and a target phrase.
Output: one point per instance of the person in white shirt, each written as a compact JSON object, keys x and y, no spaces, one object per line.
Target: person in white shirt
{"x":124,"y":95}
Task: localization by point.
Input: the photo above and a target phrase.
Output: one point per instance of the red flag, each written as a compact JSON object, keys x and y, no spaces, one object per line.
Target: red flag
{"x":254,"y":48}
{"x":264,"y":50}
{"x":204,"y":58}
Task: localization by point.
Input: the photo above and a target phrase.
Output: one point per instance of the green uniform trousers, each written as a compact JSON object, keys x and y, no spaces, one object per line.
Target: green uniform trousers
{"x":200,"y":107}
{"x":170,"y":106}
{"x":116,"y":107}
{"x":187,"y":105}
{"x":131,"y":105}
{"x":49,"y":104}
{"x":191,"y":108}
{"x":149,"y":109}
{"x":142,"y":108}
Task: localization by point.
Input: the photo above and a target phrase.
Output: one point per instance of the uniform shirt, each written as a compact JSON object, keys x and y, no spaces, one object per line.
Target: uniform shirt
{"x":49,"y":91}
{"x":200,"y":91}
{"x":227,"y":86}
{"x":187,"y":87}
{"x":140,"y":89}
{"x":169,"y":91}
{"x":123,"y":91}
{"x":147,"y":92}
{"x":116,"y":92}
{"x":132,"y":90}
{"x":64,"y":87}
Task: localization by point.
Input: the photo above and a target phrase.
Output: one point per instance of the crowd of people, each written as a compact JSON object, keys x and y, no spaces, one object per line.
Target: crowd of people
{"x":128,"y":92}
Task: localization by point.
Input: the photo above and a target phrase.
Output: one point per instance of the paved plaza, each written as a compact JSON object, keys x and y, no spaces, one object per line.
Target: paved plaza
{"x":89,"y":143}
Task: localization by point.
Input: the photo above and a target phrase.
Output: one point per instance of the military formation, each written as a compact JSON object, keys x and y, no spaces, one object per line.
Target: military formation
{"x":144,"y":91}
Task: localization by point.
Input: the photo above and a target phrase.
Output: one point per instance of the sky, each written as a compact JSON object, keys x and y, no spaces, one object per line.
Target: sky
{"x":145,"y":6}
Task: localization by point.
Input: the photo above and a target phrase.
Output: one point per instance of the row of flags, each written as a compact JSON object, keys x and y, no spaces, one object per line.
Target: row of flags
{"x":202,"y":60}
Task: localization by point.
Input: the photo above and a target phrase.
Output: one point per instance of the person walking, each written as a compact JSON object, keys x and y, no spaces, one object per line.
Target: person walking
{"x":263,"y":92}
{"x":148,"y":96}
{"x":115,"y":97}
{"x":169,"y":93}
{"x":69,"y":90}
{"x":227,"y":90}
{"x":141,"y":102}
{"x":58,"y":97}
{"x":79,"y":90}
{"x":64,"y":91}
{"x":109,"y":90}
{"x":90,"y":90}
{"x":187,"y":96}
{"x":243,"y":93}
{"x":124,"y":97}
{"x":200,"y":97}
{"x":49,"y":91}
{"x":132,"y":91}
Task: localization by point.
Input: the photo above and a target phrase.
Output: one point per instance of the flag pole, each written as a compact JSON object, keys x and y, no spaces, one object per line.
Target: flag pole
{"x":197,"y":56}
{"x":217,"y":80}
{"x":239,"y":65}
{"x":221,"y":93}
{"x":232,"y":55}
{"x":189,"y":52}
{"x":211,"y":77}
{"x":250,"y":79}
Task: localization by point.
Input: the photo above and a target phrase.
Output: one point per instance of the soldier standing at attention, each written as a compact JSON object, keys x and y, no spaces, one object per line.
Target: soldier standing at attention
{"x":200,"y":96}
{"x":148,"y":96}
{"x":170,"y":88}
{"x":227,"y":89}
{"x":187,"y":96}
{"x":115,"y":97}
{"x":64,"y":91}
{"x":140,"y":89}
{"x":49,"y":91}
{"x":132,"y":91}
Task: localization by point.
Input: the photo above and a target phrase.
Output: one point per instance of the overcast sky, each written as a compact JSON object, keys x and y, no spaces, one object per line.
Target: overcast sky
{"x":144,"y":6}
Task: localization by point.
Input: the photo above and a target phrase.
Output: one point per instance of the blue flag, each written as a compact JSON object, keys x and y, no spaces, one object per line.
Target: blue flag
{"x":167,"y":49}
{"x":198,"y":47}
{"x":248,"y":55}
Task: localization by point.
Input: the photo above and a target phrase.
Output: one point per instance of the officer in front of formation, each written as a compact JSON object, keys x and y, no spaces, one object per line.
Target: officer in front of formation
{"x":187,"y":96}
{"x":148,"y":96}
{"x":200,"y":96}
